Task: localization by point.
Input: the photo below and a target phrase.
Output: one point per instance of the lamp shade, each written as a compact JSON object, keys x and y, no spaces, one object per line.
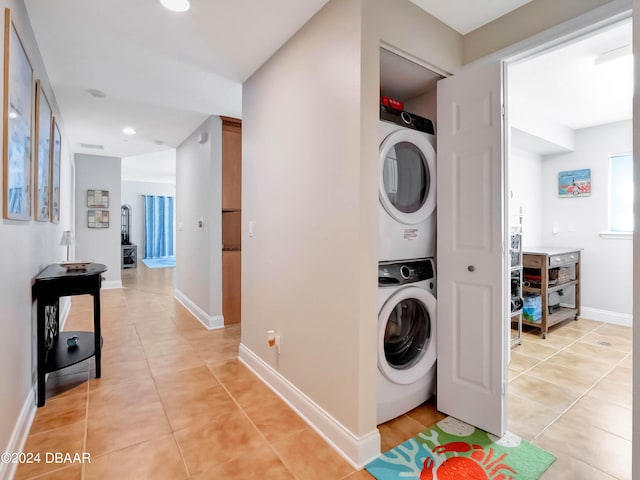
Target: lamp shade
{"x":67,"y":238}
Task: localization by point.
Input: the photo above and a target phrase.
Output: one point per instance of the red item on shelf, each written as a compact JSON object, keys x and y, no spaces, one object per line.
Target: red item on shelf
{"x":390,"y":102}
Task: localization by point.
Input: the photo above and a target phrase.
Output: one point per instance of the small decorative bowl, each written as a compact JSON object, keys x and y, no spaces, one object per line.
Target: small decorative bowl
{"x":72,"y":342}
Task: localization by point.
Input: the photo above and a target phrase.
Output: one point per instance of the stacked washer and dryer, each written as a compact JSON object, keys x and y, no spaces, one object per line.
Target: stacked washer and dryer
{"x":406,"y":271}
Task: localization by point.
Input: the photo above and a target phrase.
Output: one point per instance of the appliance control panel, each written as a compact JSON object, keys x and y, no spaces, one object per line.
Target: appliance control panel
{"x":406,"y":119}
{"x":403,"y":272}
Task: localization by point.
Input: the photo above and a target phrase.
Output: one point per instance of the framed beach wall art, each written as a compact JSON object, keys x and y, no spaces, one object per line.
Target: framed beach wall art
{"x":16,"y":134}
{"x":42,"y":154}
{"x":98,"y":198}
{"x":574,"y":183}
{"x":98,"y":219}
{"x":56,"y":153}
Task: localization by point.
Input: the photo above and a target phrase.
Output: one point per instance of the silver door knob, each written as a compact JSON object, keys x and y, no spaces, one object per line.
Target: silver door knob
{"x":471,"y":268}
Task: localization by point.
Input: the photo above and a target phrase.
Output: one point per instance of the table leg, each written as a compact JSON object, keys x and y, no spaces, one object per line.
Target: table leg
{"x":40,"y":368}
{"x":97,"y":333}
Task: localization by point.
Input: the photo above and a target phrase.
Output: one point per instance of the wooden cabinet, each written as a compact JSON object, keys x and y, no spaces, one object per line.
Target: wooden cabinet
{"x":553,"y":273}
{"x":231,"y":286}
{"x":231,"y":164}
{"x":231,"y":217}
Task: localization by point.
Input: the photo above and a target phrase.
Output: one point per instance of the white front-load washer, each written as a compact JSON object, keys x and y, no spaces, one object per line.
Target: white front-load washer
{"x":406,"y":336}
{"x":407,"y":186}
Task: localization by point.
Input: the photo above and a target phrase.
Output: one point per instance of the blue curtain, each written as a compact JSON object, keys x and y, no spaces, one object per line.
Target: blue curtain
{"x":158,"y":225}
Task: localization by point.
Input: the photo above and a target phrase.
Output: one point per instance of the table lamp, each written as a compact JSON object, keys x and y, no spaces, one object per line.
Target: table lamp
{"x":67,"y":240}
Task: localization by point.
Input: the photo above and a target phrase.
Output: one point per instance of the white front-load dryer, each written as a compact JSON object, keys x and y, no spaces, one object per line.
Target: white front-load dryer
{"x":406,"y":336}
{"x":407,"y":187}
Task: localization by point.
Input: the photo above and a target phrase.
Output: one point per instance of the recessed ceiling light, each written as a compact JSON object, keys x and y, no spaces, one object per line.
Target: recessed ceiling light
{"x":94,"y":92}
{"x":176,"y":5}
{"x":13,"y":114}
{"x":128,"y":131}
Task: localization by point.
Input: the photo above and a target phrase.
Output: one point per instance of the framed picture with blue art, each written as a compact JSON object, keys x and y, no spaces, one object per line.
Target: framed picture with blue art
{"x":56,"y":153}
{"x":42,"y":155}
{"x":574,"y":183}
{"x":16,"y":130}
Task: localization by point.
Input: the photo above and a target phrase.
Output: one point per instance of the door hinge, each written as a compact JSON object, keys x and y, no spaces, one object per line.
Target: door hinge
{"x":502,"y":110}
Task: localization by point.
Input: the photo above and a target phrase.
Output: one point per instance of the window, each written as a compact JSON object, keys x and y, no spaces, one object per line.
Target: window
{"x":621,"y":193}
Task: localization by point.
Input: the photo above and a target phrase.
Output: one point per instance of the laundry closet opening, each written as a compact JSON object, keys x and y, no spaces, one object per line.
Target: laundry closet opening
{"x":407,"y":271}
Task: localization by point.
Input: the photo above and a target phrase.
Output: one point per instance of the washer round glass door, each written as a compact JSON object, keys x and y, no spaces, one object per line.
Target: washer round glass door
{"x":406,"y":335}
{"x":407,"y":187}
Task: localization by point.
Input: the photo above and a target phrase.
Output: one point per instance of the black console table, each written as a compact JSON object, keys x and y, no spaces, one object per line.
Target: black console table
{"x":50,"y":284}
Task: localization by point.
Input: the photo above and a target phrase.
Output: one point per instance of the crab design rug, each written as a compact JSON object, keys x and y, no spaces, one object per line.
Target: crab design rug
{"x":454,"y":450}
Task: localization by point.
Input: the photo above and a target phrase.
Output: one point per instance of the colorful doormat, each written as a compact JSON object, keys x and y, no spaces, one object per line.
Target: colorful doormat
{"x":163,"y":262}
{"x":454,"y":450}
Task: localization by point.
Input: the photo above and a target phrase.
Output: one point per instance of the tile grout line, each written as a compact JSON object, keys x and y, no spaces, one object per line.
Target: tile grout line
{"x":562,"y":349}
{"x":164,"y":409}
{"x":83,"y":473}
{"x":584,"y":394}
{"x":286,"y":465}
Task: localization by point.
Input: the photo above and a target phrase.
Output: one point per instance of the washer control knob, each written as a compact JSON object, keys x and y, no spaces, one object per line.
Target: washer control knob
{"x":406,"y":272}
{"x":406,"y":118}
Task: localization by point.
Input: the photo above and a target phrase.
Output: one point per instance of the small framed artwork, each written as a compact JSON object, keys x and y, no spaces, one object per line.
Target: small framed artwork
{"x":17,"y":123}
{"x":98,"y":219}
{"x":55,"y":173}
{"x":574,"y":183}
{"x":42,"y":155}
{"x":98,"y":198}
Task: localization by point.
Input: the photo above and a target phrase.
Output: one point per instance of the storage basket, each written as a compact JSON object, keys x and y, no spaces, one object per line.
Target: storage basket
{"x":564,"y":275}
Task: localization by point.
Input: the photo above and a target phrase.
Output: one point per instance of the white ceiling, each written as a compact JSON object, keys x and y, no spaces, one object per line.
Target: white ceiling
{"x":465,"y":16}
{"x":162,"y":72}
{"x":157,"y":167}
{"x":567,"y":87}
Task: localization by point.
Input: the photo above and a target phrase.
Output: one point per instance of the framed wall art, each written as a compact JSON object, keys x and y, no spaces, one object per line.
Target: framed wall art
{"x":42,"y":154}
{"x":56,"y":153}
{"x":16,"y":134}
{"x":98,"y":198}
{"x":574,"y":183}
{"x":98,"y":219}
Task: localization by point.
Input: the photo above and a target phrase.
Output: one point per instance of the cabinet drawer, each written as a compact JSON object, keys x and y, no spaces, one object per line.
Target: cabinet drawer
{"x":565,"y":259}
{"x":532,"y":261}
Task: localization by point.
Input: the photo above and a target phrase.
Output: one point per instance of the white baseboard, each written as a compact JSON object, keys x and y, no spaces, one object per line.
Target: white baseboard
{"x":29,"y":409}
{"x":607,"y":316}
{"x":211,"y":322}
{"x":358,"y":451}
{"x":111,"y":284}
{"x":20,"y":434}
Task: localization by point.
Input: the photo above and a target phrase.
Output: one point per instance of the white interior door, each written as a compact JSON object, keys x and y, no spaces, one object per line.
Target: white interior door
{"x":471,"y":307}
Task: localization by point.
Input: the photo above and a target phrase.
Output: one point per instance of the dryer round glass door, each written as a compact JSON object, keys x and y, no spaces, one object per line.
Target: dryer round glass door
{"x":407,"y":177}
{"x":406,"y":335}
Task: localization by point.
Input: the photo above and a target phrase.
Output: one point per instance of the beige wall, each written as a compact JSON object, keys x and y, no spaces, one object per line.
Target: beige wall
{"x":301,"y":272}
{"x":199,"y":196}
{"x":310,"y":178}
{"x":102,"y":245}
{"x":416,"y":34}
{"x":528,"y":20}
{"x":25,"y":249}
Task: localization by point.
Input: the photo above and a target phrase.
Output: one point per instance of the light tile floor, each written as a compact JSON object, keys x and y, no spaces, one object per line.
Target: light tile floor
{"x":175,"y":403}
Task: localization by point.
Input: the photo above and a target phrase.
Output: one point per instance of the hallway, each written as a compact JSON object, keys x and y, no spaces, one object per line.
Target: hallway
{"x":175,"y":403}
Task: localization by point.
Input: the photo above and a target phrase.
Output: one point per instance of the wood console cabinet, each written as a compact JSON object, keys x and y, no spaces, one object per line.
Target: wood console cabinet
{"x":553,"y":271}
{"x":231,"y":218}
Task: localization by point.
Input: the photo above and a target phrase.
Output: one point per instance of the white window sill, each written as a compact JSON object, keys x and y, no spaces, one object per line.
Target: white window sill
{"x":616,"y":235}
